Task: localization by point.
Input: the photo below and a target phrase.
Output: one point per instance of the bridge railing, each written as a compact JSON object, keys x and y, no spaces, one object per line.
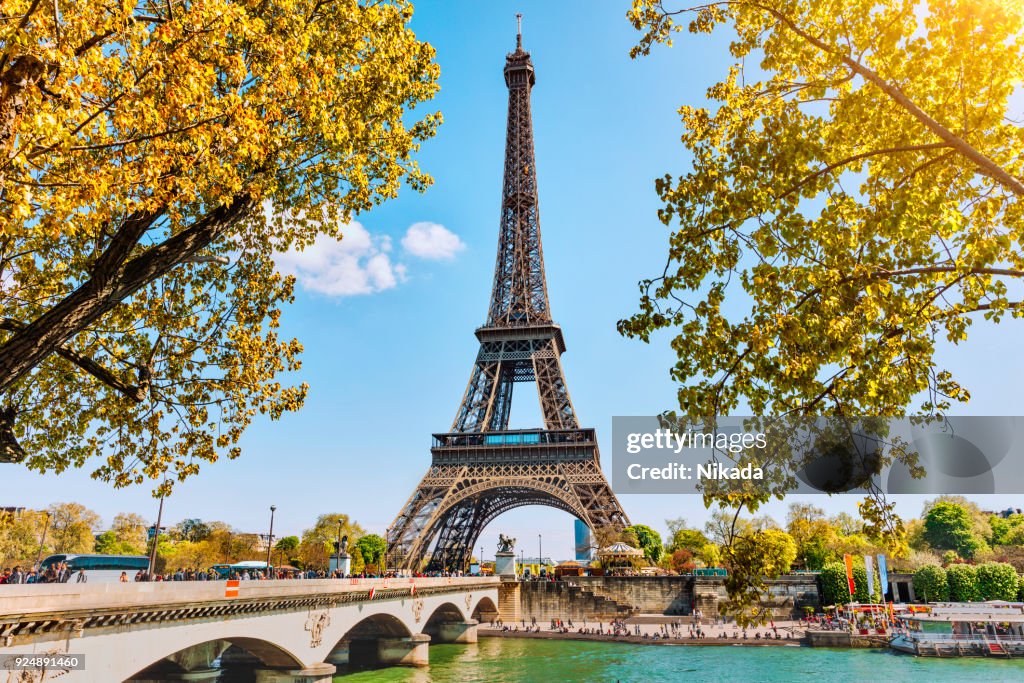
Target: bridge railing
{"x":47,"y":598}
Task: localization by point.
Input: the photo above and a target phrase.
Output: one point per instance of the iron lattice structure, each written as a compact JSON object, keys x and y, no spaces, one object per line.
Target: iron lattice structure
{"x":480,"y":468}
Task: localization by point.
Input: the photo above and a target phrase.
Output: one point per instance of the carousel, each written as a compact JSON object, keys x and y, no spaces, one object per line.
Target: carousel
{"x":620,"y":557}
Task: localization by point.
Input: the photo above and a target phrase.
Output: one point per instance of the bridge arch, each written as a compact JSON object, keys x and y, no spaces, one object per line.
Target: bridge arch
{"x":484,"y":610}
{"x":159,"y":663}
{"x":359,"y":647}
{"x":380,"y":625}
{"x":444,"y":613}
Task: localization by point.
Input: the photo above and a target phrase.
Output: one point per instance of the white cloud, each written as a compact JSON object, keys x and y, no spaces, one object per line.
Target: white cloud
{"x":361,"y":262}
{"x":432,"y":241}
{"x":356,"y":264}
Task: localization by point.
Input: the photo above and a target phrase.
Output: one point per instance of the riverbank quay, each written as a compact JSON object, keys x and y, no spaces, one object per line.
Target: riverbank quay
{"x":845,"y":639}
{"x":639,"y":640}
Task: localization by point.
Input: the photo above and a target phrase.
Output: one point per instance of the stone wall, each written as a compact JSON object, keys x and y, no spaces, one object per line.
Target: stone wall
{"x":608,"y":597}
{"x":546,"y":600}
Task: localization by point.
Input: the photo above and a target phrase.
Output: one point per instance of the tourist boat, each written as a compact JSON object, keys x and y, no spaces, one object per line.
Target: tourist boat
{"x":963,"y":629}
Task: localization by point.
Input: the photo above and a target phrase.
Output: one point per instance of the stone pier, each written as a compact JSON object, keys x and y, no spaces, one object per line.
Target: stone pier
{"x":317,"y":673}
{"x":409,"y":651}
{"x":168,"y":676}
{"x":459,"y":632}
{"x":509,"y":595}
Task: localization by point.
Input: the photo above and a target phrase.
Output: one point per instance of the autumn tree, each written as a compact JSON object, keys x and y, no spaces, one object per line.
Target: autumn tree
{"x":948,"y":526}
{"x":751,"y":559}
{"x":687,"y":539}
{"x":20,"y":537}
{"x":853,"y":201}
{"x":816,"y":539}
{"x":192,"y":529}
{"x":288,"y":544}
{"x":674,"y":525}
{"x":155,"y":156}
{"x":318,"y":541}
{"x":1007,"y":530}
{"x":72,"y":526}
{"x":681,"y":561}
{"x":710,"y":554}
{"x":372,"y":548}
{"x":854,"y":198}
{"x":609,"y":535}
{"x":648,"y":540}
{"x":131,"y":529}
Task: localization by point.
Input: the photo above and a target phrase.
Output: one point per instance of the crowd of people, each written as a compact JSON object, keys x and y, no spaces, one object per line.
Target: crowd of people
{"x":57,"y":573}
{"x":618,"y":628}
{"x":61,"y":573}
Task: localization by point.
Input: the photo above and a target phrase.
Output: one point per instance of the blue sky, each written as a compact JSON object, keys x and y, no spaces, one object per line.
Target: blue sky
{"x":388,"y":367}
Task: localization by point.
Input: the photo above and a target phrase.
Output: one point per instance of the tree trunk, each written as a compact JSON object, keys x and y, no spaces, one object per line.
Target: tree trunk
{"x":28,"y":347}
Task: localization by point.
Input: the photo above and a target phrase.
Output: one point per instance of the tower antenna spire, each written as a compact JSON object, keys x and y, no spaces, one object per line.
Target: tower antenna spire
{"x":519,"y":31}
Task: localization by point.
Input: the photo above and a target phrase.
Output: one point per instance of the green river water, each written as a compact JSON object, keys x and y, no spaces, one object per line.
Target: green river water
{"x":505,"y":659}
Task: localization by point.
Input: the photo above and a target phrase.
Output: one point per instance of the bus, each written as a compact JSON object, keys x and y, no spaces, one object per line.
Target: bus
{"x":99,"y":568}
{"x":251,"y":566}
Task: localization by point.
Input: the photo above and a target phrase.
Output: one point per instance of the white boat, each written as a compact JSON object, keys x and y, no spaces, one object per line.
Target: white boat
{"x":963,"y":629}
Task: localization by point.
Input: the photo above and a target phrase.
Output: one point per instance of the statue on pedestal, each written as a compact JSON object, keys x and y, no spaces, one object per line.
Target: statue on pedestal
{"x":505,"y":544}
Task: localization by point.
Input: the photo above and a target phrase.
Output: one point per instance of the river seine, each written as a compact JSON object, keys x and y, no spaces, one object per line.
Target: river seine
{"x":550,"y":661}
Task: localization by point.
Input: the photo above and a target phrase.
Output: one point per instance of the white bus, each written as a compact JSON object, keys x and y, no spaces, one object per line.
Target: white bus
{"x":98,"y":568}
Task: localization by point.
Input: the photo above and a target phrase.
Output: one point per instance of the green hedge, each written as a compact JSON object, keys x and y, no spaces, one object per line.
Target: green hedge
{"x":963,"y":583}
{"x":834,"y":590}
{"x":930,"y":584}
{"x":997,"y":581}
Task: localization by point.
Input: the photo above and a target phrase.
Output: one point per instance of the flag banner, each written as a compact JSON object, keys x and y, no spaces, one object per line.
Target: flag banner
{"x":883,"y":576}
{"x":871,"y":577}
{"x":848,"y":559}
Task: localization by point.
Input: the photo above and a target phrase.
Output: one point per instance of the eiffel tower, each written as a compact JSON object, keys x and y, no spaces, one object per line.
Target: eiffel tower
{"x":480,"y":468}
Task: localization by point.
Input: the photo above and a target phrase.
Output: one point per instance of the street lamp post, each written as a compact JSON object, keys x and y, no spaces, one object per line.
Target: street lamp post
{"x":481,"y":562}
{"x":540,"y":553}
{"x":42,"y":541}
{"x":156,"y":537}
{"x":270,"y":540}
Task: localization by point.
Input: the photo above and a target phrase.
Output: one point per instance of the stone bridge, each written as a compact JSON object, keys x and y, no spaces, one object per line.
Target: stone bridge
{"x":292,"y":630}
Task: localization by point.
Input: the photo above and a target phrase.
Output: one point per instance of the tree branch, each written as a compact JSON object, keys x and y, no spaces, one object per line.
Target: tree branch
{"x":988,"y":166}
{"x":109,"y":285}
{"x":135,"y":393}
{"x":882,"y":274}
{"x":857,"y":157}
